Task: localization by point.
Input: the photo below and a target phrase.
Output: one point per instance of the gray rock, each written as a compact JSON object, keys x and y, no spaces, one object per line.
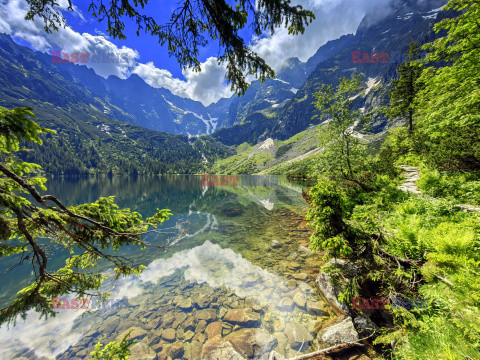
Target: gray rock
{"x":331,"y":292}
{"x":339,"y":333}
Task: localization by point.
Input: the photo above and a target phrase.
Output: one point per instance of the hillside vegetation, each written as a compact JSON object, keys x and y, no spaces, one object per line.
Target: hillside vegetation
{"x":419,"y":247}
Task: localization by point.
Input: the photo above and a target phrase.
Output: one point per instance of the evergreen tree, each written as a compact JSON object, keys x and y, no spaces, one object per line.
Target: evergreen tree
{"x":30,"y":221}
{"x":407,"y":86}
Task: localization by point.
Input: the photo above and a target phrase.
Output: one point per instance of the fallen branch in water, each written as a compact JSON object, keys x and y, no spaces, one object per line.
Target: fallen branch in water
{"x":328,"y":350}
{"x":331,"y":349}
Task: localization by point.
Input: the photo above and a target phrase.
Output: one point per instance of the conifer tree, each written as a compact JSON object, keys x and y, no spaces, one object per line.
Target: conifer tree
{"x":407,"y":86}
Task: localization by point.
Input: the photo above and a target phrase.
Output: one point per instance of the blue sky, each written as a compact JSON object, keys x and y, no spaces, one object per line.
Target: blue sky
{"x":144,"y":56}
{"x":147,"y":45}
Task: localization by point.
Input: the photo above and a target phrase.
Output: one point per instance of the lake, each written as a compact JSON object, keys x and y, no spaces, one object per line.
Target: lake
{"x":233,"y":279}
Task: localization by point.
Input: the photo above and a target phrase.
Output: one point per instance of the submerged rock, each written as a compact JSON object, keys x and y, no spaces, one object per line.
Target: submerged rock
{"x":243,"y":317}
{"x":252,"y":342}
{"x":185,"y":304}
{"x":206,"y":314}
{"x":298,"y":336}
{"x":202,"y":302}
{"x":218,"y":348}
{"x":136,"y":334}
{"x":169,"y":335}
{"x":213,"y":329}
{"x":286,"y":304}
{"x":193,"y":350}
{"x":141,"y":351}
{"x":276,"y":244}
{"x":175,"y":351}
{"x":300,"y":300}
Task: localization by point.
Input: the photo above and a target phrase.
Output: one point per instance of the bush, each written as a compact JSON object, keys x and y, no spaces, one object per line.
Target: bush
{"x":458,"y":187}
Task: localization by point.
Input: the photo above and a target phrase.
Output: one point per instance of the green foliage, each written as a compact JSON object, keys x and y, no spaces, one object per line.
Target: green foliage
{"x":344,"y":155}
{"x":401,"y":148}
{"x":446,"y":241}
{"x":326,"y":216}
{"x":413,"y":246}
{"x":448,"y":105}
{"x":113,"y":350}
{"x":458,"y":187}
{"x":90,"y":232}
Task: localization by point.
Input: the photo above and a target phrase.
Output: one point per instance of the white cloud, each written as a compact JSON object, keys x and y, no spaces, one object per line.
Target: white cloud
{"x":206,"y":86}
{"x":114,"y":60}
{"x":334,"y":18}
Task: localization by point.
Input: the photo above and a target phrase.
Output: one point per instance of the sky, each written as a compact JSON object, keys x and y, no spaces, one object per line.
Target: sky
{"x":143,"y":55}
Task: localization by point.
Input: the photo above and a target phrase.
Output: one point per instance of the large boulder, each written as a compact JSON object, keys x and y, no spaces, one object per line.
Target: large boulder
{"x":339,"y":333}
{"x":298,"y":336}
{"x":252,"y":342}
{"x":330,"y":291}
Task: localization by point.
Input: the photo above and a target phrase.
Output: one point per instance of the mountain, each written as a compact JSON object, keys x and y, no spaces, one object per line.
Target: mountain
{"x":277,"y":108}
{"x":130,"y":100}
{"x":388,"y":33}
{"x":92,"y":136}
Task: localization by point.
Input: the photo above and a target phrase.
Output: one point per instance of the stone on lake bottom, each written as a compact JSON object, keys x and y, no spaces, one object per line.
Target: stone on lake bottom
{"x":169,"y":335}
{"x":243,"y":317}
{"x":298,"y":336}
{"x":252,"y":342}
